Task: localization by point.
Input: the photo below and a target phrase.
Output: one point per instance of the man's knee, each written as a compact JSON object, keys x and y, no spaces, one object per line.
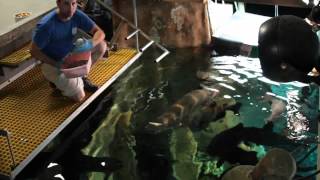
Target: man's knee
{"x":79,"y":96}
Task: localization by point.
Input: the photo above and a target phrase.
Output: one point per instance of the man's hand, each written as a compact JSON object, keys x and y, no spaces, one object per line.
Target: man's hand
{"x":82,"y":45}
{"x":59,"y":65}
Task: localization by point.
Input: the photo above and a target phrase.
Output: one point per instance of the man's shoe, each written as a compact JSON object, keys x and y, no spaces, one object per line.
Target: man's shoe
{"x":52,"y":85}
{"x":89,"y":86}
{"x":55,"y":91}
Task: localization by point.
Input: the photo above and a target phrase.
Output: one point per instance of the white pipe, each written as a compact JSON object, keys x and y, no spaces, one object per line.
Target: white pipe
{"x":162,"y":56}
{"x":132,"y":34}
{"x":146,"y":46}
{"x":135,"y":18}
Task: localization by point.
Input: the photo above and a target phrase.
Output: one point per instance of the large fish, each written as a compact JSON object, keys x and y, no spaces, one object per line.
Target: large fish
{"x":191,"y":109}
{"x":226,"y":144}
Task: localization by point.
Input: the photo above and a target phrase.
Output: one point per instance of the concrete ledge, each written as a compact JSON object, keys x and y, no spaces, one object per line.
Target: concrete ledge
{"x":15,"y":33}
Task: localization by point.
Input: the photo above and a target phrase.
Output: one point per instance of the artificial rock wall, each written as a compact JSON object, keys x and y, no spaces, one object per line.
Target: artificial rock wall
{"x":173,"y":23}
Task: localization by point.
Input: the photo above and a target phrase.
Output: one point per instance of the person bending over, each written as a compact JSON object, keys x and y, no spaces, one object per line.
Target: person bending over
{"x":53,"y":40}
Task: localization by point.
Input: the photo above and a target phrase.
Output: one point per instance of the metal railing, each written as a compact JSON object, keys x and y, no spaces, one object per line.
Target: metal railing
{"x":276,"y":10}
{"x":6,"y":134}
{"x":137,"y":30}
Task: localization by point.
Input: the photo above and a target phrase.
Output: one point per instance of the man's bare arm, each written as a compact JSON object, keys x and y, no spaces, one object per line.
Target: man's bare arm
{"x":98,"y":35}
{"x":39,"y":55}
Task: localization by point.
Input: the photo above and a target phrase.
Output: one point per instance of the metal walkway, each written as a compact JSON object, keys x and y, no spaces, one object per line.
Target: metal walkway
{"x":17,"y":57}
{"x":33,"y":115}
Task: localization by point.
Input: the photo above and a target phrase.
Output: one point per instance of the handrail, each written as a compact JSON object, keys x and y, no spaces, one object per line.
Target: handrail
{"x":146,"y":46}
{"x":287,"y":3}
{"x":132,"y":34}
{"x":166,"y":52}
{"x":276,"y":10}
{"x":6,"y":134}
{"x":135,"y":18}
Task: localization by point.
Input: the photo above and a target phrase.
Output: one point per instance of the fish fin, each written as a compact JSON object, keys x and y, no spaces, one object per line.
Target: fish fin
{"x":268,"y":126}
{"x":239,"y":126}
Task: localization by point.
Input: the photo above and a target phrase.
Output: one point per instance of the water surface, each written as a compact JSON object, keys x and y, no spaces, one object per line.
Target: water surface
{"x":147,"y":90}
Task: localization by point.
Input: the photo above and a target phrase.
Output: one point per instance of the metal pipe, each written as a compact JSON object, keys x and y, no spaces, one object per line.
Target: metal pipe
{"x":146,"y":46}
{"x":276,"y":10}
{"x":162,"y":56}
{"x":236,"y":5}
{"x":11,"y":151}
{"x":130,"y":24}
{"x":132,"y":34}
{"x":7,"y":135}
{"x":135,"y":18}
{"x":287,"y":3}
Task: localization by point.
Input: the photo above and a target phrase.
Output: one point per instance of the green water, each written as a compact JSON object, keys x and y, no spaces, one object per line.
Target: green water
{"x":148,"y":89}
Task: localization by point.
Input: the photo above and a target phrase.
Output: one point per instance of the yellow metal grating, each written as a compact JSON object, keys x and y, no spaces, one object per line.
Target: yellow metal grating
{"x":17,"y":57}
{"x":30,"y":111}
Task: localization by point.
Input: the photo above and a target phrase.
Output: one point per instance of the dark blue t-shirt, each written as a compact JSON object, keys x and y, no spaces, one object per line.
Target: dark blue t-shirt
{"x":55,"y":37}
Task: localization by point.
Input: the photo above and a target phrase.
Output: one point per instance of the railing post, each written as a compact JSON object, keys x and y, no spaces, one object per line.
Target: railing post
{"x":137,"y":30}
{"x":276,"y":10}
{"x":135,"y":22}
{"x":6,"y":134}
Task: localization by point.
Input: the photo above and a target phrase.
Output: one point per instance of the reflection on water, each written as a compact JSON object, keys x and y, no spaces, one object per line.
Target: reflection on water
{"x":148,"y":90}
{"x":297,"y":123}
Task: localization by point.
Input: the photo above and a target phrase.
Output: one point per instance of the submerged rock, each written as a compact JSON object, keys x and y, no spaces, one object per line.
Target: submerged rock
{"x":183,"y":146}
{"x":186,"y":170}
{"x":183,"y":149}
{"x":105,"y":136}
{"x":277,"y":164}
{"x":122,"y":149}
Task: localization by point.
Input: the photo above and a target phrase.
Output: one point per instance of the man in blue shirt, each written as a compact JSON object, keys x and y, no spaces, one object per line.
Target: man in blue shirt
{"x":53,"y":40}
